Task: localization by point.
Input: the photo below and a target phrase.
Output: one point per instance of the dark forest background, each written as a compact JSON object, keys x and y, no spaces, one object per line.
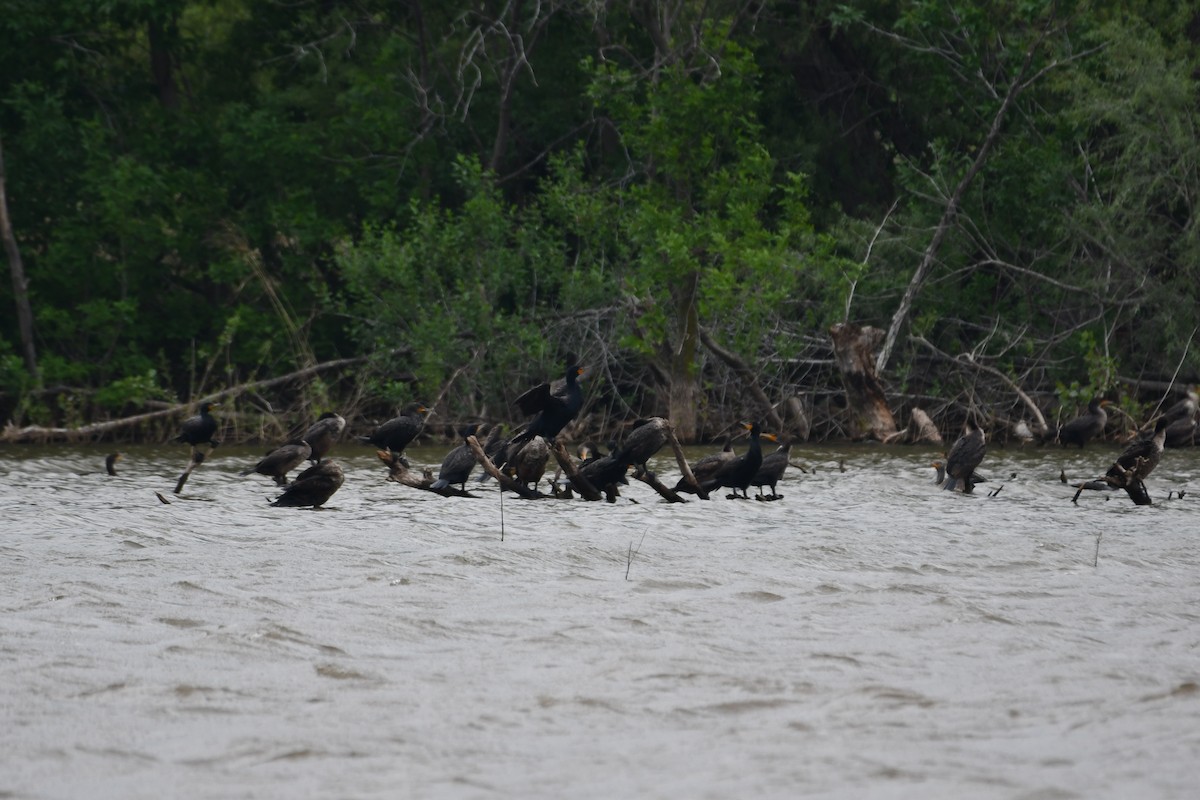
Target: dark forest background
{"x":389,"y":201}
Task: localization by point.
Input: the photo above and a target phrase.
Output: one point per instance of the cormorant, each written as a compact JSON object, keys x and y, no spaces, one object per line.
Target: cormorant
{"x":314,"y":486}
{"x":604,"y":472}
{"x":554,"y":408}
{"x":530,"y":461}
{"x":282,"y":460}
{"x":458,"y":464}
{"x":772,"y":469}
{"x":588,"y":450}
{"x":1086,"y":426}
{"x":738,"y":473}
{"x":964,"y":456}
{"x":647,"y":438}
{"x":1138,"y":460}
{"x":110,"y":463}
{"x":396,"y":434}
{"x":201,"y":428}
{"x":323,"y":434}
{"x":1184,"y":408}
{"x":707,"y":467}
{"x":1181,"y":433}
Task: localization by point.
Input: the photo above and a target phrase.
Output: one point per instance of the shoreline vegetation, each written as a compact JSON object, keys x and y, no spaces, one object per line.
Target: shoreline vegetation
{"x":848,"y":221}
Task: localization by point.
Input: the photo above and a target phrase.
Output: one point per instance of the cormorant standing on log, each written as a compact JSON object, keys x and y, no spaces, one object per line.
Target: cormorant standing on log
{"x":313,"y":487}
{"x":1086,"y":426}
{"x":323,"y":434}
{"x":772,"y":469}
{"x":1137,"y":461}
{"x":738,"y":473}
{"x":457,"y":465}
{"x":398,"y":432}
{"x":964,"y":456}
{"x":530,"y":462}
{"x":555,"y":408}
{"x":647,"y":438}
{"x":201,"y":428}
{"x":707,"y":467}
{"x":282,"y":460}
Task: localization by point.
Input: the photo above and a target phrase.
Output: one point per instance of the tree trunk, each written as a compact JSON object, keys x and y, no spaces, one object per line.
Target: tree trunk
{"x":20,"y":283}
{"x":854,"y":348}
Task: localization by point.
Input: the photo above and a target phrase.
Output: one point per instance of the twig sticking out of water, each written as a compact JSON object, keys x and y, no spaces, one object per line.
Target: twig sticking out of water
{"x":1096,"y":557}
{"x":501,"y":493}
{"x":629,"y":556}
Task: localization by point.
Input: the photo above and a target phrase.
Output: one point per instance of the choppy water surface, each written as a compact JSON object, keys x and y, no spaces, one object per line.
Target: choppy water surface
{"x":866,"y":636}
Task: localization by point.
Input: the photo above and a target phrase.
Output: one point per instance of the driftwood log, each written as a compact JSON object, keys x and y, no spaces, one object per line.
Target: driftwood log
{"x":400,"y":472}
{"x":581,"y":484}
{"x":920,"y":429}
{"x":854,"y":349}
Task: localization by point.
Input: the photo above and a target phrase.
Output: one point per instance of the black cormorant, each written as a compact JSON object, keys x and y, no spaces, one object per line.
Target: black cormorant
{"x":1138,"y":459}
{"x":707,"y":467}
{"x":1086,"y":426}
{"x":554,"y":408}
{"x":323,"y":434}
{"x":964,"y":456}
{"x":398,"y":432}
{"x":458,"y":464}
{"x":738,"y":473}
{"x":1181,"y":433}
{"x":772,"y":469}
{"x":1184,"y":408}
{"x":314,"y":486}
{"x":282,"y":460}
{"x":110,"y":463}
{"x":200,"y":429}
{"x":647,"y":438}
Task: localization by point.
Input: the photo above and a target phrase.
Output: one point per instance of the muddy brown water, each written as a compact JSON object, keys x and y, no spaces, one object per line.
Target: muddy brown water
{"x":866,"y":636}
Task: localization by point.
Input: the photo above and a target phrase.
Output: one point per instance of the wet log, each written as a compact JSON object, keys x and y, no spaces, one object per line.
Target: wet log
{"x":581,"y":484}
{"x":681,"y":460}
{"x":400,"y":472}
{"x":854,"y":348}
{"x":651,"y":480}
{"x":920,"y":429}
{"x":505,"y":482}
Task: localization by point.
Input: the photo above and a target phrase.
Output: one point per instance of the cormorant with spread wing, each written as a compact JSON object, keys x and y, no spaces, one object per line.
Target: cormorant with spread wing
{"x":555,"y":408}
{"x":964,"y":456}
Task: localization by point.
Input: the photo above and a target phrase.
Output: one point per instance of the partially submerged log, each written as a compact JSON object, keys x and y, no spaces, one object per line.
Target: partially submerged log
{"x":651,"y":480}
{"x":920,"y":429}
{"x":400,"y":472}
{"x":581,"y":484}
{"x":854,"y":349}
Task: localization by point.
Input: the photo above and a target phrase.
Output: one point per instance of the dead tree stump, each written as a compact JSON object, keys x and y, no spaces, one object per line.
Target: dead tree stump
{"x":854,"y":349}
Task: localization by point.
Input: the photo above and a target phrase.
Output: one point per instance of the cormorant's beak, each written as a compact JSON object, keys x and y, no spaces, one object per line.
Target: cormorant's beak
{"x":770,"y":436}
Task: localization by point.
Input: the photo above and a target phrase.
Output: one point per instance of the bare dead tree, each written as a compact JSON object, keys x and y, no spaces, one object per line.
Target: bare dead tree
{"x":19,"y":281}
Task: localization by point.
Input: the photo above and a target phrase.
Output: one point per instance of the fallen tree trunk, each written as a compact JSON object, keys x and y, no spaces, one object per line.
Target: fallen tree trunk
{"x":38,"y":434}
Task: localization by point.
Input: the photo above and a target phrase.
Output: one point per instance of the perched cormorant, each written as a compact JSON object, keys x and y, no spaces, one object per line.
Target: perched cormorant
{"x":964,"y":456}
{"x":588,"y":450}
{"x":647,"y":438}
{"x":1181,"y":433}
{"x":604,"y":472}
{"x":530,"y":461}
{"x":772,"y":469}
{"x":1184,"y":408}
{"x":201,"y":428}
{"x":313,"y":487}
{"x":554,"y":408}
{"x":282,"y":460}
{"x":458,"y":464}
{"x":738,"y":473}
{"x":1086,"y":426}
{"x":1138,"y":459}
{"x":323,"y":434}
{"x":707,"y":467}
{"x":396,"y":434}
